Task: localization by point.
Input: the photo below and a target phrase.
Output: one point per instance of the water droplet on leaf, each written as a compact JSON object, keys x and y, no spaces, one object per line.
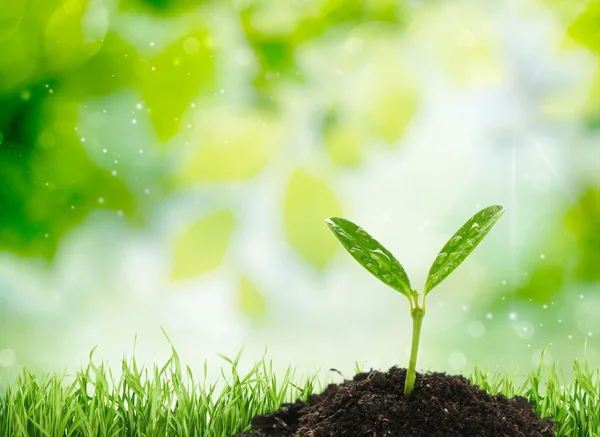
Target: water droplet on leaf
{"x":361,"y":233}
{"x":371,"y":267}
{"x":455,"y":241}
{"x":441,"y":257}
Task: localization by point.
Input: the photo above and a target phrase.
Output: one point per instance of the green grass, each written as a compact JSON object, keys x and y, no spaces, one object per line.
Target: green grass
{"x":168,"y":401}
{"x":574,"y":405}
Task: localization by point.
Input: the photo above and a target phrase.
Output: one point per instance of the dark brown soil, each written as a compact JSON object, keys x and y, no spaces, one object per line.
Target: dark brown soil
{"x":373,"y":405}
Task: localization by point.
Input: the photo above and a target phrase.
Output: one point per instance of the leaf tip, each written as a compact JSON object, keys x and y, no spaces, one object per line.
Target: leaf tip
{"x":332,"y":221}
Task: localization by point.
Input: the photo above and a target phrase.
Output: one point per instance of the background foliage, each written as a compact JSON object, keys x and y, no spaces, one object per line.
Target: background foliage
{"x":171,"y":163}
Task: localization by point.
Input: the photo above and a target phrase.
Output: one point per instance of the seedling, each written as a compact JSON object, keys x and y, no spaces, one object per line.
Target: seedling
{"x":382,"y":264}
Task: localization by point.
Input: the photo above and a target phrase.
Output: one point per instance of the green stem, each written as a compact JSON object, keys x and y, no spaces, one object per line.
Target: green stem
{"x":417,"y":314}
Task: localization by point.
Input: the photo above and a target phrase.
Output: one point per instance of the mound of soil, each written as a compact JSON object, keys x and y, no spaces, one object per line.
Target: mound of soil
{"x":373,"y":405}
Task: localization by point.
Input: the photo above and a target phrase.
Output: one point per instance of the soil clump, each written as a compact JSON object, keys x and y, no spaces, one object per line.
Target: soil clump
{"x":373,"y":405}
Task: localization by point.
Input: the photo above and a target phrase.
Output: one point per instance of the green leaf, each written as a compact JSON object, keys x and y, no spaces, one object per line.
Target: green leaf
{"x":202,"y":246}
{"x":251,"y":301}
{"x":235,"y":145}
{"x":462,"y":243}
{"x":170,"y":81}
{"x":584,"y":29}
{"x":307,"y":201}
{"x":344,"y":143}
{"x":370,"y":254}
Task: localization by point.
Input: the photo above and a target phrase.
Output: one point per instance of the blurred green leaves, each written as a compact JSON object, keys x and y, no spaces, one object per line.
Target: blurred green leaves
{"x":113,"y":68}
{"x":58,"y":55}
{"x":71,"y":36}
{"x":201,"y":247}
{"x":344,"y":142}
{"x":572,"y":255}
{"x":48,"y":184}
{"x":251,"y":302}
{"x":235,"y":145}
{"x":583,"y":220}
{"x":160,"y":7}
{"x":584,"y":29}
{"x":55,"y":56}
{"x":307,"y":200}
{"x":277,"y":29}
{"x":390,"y":105}
{"x":170,"y":81}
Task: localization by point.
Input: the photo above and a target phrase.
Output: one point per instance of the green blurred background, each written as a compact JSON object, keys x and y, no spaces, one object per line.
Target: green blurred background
{"x":170,"y":163}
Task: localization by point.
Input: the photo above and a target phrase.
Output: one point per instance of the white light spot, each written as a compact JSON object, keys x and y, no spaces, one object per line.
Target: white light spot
{"x":512,"y":315}
{"x":545,"y":306}
{"x":100,"y":200}
{"x":133,"y":121}
{"x":489,"y":316}
{"x":151,"y":43}
{"x":524,"y":330}
{"x":476,"y":329}
{"x":139,"y":106}
{"x":83,"y":139}
{"x":104,"y":150}
{"x":581,"y":296}
{"x":114,"y":172}
{"x":7,"y":357}
{"x":504,"y":282}
{"x":191,"y":46}
{"x":457,"y":360}
{"x":147,"y":191}
{"x":464,"y":308}
{"x":570,"y":336}
{"x":120,"y":213}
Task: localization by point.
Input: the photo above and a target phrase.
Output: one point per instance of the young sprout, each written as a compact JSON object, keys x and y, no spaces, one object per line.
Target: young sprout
{"x":382,"y":264}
